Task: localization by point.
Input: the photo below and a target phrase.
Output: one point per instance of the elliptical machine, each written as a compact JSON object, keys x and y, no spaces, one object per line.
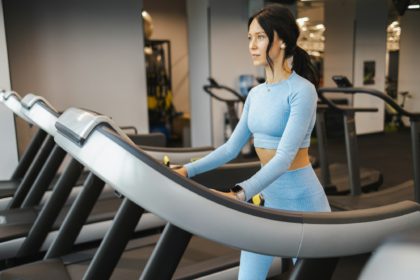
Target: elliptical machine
{"x":231,"y":100}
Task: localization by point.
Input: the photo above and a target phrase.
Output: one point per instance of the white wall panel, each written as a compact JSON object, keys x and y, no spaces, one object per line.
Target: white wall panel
{"x":80,"y":53}
{"x":8,"y":146}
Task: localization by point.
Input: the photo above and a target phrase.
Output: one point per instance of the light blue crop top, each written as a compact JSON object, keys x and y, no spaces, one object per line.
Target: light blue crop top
{"x":280,"y":116}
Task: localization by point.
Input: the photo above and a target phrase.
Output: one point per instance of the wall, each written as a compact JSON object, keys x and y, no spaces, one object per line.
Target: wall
{"x":8,"y":148}
{"x":217,"y":35}
{"x":199,"y":65}
{"x":370,"y":45}
{"x":408,"y":73}
{"x":229,"y":53}
{"x":170,"y":23}
{"x":80,"y":53}
{"x":356,"y":32}
{"x":339,"y":39}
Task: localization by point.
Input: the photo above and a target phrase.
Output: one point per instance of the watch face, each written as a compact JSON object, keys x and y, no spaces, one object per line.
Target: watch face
{"x":236,"y":189}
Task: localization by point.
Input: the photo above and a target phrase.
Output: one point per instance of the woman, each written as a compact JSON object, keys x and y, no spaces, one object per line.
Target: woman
{"x":280,"y":114}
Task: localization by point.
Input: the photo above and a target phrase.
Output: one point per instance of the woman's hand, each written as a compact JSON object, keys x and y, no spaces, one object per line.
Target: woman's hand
{"x":181,"y":171}
{"x":229,"y":194}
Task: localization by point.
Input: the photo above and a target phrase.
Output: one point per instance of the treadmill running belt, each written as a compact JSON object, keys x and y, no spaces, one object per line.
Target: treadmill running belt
{"x":370,"y":179}
{"x":404,"y":191}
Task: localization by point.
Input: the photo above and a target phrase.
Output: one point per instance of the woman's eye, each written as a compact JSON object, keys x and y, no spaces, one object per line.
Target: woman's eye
{"x":260,"y":37}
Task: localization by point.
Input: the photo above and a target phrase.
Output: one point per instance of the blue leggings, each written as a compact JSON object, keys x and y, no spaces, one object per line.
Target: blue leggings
{"x":296,"y":190}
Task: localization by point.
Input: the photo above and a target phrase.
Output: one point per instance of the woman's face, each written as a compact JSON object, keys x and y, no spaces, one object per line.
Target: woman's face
{"x":258,"y":43}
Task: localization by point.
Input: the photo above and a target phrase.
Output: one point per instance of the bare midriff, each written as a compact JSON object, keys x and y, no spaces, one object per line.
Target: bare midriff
{"x":301,"y":159}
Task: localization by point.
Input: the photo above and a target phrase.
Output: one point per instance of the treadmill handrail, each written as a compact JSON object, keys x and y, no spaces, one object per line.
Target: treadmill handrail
{"x":203,"y":212}
{"x":70,"y":122}
{"x":7,"y":94}
{"x":31,"y":99}
{"x":214,"y":85}
{"x":381,"y":212}
{"x":177,"y":149}
{"x":12,"y":100}
{"x":40,"y":112}
{"x":346,"y":108}
{"x":373,"y":92}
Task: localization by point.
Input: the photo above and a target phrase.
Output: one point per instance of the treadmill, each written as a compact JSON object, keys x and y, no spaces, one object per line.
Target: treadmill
{"x":337,"y":178}
{"x":405,"y":191}
{"x":24,"y":225}
{"x":25,"y":231}
{"x":341,"y":182}
{"x":37,"y":157}
{"x":192,"y":209}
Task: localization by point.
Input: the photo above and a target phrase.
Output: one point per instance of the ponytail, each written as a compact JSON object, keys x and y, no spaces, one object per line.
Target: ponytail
{"x":303,"y":66}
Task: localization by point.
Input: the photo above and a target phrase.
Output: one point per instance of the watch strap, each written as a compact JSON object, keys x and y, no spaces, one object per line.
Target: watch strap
{"x":239,"y":192}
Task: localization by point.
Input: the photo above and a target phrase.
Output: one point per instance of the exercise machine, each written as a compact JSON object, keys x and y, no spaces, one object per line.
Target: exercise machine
{"x":192,"y":209}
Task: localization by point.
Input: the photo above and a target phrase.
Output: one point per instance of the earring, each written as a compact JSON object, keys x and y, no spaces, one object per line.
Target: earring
{"x":283,"y":46}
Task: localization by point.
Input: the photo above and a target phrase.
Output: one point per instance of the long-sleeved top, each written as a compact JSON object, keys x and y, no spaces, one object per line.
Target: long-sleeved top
{"x":280,"y":116}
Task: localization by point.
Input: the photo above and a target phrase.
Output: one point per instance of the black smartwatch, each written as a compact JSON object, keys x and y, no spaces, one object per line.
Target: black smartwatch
{"x":239,"y":192}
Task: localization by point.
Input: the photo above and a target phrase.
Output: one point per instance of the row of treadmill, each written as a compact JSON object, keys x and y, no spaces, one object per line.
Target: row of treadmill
{"x":89,"y":201}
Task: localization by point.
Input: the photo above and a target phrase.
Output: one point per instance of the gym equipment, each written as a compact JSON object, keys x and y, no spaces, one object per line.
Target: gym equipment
{"x":341,"y":181}
{"x":232,"y":118}
{"x":25,"y":227}
{"x":39,"y":149}
{"x":404,"y":191}
{"x":150,"y":185}
{"x":231,"y":102}
{"x":337,"y":178}
{"x":18,"y":224}
{"x":392,"y":118}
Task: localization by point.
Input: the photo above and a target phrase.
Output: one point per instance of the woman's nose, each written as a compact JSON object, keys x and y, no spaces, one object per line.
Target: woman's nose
{"x":252,"y":44}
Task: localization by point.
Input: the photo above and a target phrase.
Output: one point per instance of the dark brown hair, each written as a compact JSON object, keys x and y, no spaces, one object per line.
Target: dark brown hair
{"x":276,"y":18}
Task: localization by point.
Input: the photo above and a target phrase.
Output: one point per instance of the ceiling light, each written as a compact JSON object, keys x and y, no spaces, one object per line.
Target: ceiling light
{"x":394,"y":23}
{"x":414,"y":6}
{"x":302,"y":20}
